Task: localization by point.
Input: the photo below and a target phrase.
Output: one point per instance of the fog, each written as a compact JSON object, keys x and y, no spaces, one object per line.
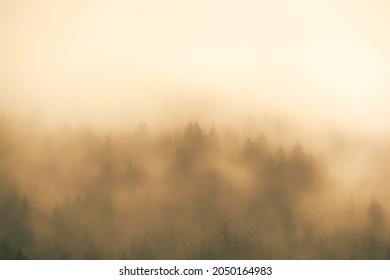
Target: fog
{"x":197,"y":130}
{"x":110,"y":61}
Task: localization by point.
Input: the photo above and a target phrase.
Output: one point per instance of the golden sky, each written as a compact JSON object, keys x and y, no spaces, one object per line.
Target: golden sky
{"x":95,"y":59}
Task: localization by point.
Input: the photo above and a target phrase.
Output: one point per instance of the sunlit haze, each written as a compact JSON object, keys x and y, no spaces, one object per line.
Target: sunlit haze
{"x":194,"y":129}
{"x":109,"y":62}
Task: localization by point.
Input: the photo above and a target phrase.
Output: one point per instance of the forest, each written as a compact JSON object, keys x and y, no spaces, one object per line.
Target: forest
{"x":194,"y":191}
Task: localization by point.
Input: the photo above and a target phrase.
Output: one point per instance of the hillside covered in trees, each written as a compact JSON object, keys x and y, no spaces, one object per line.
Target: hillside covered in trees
{"x":192,"y":192}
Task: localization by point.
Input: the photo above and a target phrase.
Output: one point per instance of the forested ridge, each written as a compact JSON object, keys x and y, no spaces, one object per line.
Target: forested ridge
{"x":192,"y":192}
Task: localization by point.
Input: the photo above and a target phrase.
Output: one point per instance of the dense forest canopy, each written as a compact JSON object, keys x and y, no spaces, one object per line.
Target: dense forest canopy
{"x":194,"y":191}
{"x":200,"y":129}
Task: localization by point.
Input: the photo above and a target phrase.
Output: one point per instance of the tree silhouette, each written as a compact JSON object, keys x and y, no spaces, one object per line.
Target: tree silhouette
{"x":301,"y":169}
{"x":376,"y":220}
{"x":374,"y":240}
{"x":20,"y":255}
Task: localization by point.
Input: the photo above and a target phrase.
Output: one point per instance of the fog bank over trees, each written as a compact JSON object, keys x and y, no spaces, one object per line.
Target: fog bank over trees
{"x":202,"y":129}
{"x":265,"y":188}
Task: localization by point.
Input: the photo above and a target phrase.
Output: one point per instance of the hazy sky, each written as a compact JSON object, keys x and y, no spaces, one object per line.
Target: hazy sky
{"x":112,"y":60}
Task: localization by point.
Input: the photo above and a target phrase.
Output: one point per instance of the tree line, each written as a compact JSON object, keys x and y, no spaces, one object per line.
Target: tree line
{"x":189,"y":193}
